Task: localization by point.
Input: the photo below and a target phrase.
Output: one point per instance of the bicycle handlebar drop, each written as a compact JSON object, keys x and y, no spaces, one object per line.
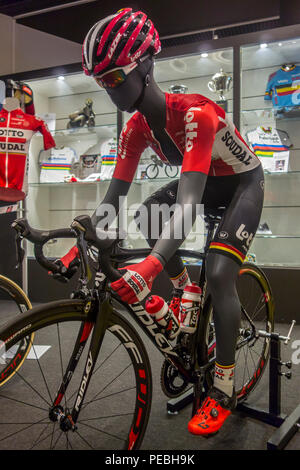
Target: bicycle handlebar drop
{"x":39,"y":238}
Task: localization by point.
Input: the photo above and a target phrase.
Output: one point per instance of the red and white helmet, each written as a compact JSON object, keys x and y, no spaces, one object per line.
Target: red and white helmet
{"x":119,"y":40}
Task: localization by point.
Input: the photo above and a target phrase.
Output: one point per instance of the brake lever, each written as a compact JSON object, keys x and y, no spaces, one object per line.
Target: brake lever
{"x":20,"y":252}
{"x":84,"y":263}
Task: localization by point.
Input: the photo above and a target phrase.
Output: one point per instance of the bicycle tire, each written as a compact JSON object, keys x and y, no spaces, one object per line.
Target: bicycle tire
{"x":152,"y":171}
{"x":244,"y":386}
{"x":171,"y":171}
{"x":14,"y":301}
{"x":68,"y":316}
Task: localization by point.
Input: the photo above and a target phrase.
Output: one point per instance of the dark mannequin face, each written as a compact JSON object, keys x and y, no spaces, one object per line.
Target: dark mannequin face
{"x":126,"y":95}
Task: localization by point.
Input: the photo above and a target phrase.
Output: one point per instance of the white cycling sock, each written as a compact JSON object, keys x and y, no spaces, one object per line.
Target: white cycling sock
{"x":182,"y":280}
{"x":224,"y":378}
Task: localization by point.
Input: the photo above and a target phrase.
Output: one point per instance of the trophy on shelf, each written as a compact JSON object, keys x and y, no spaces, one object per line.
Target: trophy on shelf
{"x":220,"y":83}
{"x":175,"y":89}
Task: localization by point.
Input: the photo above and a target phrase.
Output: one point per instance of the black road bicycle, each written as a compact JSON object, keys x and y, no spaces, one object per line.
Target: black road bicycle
{"x":92,"y":387}
{"x":152,"y":169}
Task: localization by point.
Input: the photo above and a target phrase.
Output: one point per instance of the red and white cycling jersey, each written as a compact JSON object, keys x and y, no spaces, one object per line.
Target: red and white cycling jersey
{"x":201,"y":134}
{"x":16,"y":130}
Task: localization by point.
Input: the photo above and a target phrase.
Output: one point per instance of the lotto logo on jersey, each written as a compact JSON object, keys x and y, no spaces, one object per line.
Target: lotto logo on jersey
{"x":244,"y":235}
{"x":190,"y":131}
{"x":11,"y":133}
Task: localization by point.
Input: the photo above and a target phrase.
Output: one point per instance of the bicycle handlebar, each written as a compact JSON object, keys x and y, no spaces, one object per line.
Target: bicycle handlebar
{"x":39,"y":238}
{"x":105,"y":241}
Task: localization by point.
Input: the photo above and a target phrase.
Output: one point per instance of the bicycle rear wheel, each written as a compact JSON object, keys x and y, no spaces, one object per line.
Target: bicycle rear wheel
{"x":13,"y":302}
{"x":117,"y":404}
{"x":257,"y":313}
{"x":152,"y":171}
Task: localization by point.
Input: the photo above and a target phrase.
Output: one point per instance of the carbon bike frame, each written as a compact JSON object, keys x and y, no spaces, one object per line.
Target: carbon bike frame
{"x":103,"y":310}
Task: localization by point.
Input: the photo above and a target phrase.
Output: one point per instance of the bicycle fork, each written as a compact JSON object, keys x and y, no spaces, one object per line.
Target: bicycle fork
{"x":66,"y":418}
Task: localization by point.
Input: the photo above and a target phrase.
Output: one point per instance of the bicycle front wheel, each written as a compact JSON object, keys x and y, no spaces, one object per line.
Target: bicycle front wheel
{"x":257,"y":313}
{"x":13,"y":302}
{"x":116,"y":407}
{"x":171,"y":171}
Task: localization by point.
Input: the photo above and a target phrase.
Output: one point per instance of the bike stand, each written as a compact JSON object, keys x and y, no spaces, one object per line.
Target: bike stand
{"x":287,"y":425}
{"x":176,"y":404}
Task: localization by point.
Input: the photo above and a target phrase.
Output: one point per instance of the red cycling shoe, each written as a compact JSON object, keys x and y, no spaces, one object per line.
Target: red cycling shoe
{"x":215,"y":409}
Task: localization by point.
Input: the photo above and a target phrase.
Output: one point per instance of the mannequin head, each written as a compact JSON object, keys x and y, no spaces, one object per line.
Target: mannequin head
{"x":118,"y":52}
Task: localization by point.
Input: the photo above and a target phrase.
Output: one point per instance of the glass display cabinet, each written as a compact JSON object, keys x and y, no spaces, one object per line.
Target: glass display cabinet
{"x":270,"y":122}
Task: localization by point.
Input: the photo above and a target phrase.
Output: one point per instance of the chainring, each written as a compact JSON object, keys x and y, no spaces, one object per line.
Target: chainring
{"x":172,"y":382}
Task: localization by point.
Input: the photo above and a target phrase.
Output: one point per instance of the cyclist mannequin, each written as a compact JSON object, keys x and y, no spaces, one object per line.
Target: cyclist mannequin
{"x":218,"y":169}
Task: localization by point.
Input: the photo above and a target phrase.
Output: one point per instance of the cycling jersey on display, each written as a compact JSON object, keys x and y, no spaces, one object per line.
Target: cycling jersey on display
{"x":16,"y":130}
{"x":201,"y":138}
{"x":56,"y":164}
{"x":270,"y":145}
{"x":283,"y":88}
{"x":108,"y":159}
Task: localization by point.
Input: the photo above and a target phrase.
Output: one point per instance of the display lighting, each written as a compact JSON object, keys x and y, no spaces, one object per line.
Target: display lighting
{"x":280,"y":44}
{"x":204,"y":54}
{"x":61,"y":77}
{"x":263,"y":46}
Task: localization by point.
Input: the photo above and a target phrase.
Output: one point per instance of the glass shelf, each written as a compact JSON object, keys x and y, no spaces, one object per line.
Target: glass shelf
{"x":67,"y":185}
{"x":80,"y":131}
{"x":268,"y":113}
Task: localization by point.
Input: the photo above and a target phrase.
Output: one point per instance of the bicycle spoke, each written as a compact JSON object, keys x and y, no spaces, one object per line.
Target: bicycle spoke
{"x":115,"y":393}
{"x":111,"y":416}
{"x":53,"y":432}
{"x":61,"y":364}
{"x":40,"y":367}
{"x":35,"y":443}
{"x":84,"y":440}
{"x":19,"y":375}
{"x":42,"y":440}
{"x":57,"y":439}
{"x":103,"y":432}
{"x":69,"y":441}
{"x":23,"y":403}
{"x":93,"y":399}
{"x":21,"y":430}
{"x":110,"y":355}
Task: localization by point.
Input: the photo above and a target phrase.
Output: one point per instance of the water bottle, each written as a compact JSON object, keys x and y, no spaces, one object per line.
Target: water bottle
{"x":159,"y":310}
{"x":189,"y":308}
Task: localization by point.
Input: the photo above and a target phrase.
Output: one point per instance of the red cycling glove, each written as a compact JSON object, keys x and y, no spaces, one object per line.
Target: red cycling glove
{"x":137,"y":282}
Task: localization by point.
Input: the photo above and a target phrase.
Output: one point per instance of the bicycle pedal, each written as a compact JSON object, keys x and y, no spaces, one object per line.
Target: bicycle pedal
{"x":287,"y":375}
{"x":287,"y":364}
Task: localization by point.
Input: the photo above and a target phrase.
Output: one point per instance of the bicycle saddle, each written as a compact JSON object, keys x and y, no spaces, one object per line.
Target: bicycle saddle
{"x":11,"y":195}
